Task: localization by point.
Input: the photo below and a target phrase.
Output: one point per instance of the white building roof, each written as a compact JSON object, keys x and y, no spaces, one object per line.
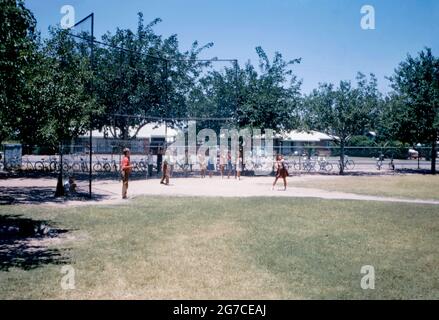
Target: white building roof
{"x":156,"y":130}
{"x":151,"y":130}
{"x":303,"y":136}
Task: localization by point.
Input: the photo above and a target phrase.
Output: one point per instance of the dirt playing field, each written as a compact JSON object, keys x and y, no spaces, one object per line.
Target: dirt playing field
{"x":38,"y":191}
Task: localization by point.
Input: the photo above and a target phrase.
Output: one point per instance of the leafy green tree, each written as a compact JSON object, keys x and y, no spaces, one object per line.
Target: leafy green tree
{"x":72,"y":75}
{"x":268,"y":99}
{"x":151,"y":78}
{"x":58,"y":102}
{"x":215,"y":95}
{"x":413,"y":108}
{"x":342,"y":112}
{"x":17,"y":45}
{"x":44,"y":93}
{"x":371,"y":100}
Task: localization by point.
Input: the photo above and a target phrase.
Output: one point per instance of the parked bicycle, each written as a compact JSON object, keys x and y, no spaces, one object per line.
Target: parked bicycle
{"x":66,"y":164}
{"x":47,"y":165}
{"x":142,"y":165}
{"x":110,"y":165}
{"x":27,"y":164}
{"x":324,"y":165}
{"x":54,"y":164}
{"x":348,"y":164}
{"x":136,"y":166}
{"x":305,"y":164}
{"x":309,"y":165}
{"x":98,"y":166}
{"x":379,"y":162}
{"x":298,"y":165}
{"x":80,"y":165}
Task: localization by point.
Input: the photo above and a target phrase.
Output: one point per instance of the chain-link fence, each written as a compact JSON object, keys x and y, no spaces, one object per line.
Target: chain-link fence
{"x":313,"y":159}
{"x":147,"y":158}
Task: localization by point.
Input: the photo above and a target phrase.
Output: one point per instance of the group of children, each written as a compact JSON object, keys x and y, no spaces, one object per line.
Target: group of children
{"x":226,"y":164}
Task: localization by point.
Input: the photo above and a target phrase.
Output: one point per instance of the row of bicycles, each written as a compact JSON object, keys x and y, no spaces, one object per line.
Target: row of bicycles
{"x":79,"y":164}
{"x":319,"y":164}
{"x":106,"y":165}
{"x":75,"y":163}
{"x":305,"y":164}
{"x":380,"y":164}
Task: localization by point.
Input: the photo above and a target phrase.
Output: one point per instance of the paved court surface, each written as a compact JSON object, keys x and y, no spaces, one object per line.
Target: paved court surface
{"x":40,"y":191}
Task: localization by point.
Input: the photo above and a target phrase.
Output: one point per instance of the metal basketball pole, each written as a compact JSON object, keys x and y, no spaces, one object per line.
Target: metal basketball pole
{"x":90,"y":177}
{"x":91,"y":42}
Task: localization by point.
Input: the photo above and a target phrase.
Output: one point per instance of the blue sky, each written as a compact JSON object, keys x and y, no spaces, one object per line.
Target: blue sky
{"x":326,"y":34}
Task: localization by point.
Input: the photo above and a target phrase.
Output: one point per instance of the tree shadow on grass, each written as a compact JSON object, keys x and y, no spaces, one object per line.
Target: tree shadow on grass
{"x":23,"y":243}
{"x":346,"y":173}
{"x":41,"y":195}
{"x":377,"y":173}
{"x":414,"y":171}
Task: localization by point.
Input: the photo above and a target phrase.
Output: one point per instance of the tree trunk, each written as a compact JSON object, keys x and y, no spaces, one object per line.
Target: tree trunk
{"x":433,"y":156}
{"x":60,"y":185}
{"x":341,"y":157}
{"x":125,"y":131}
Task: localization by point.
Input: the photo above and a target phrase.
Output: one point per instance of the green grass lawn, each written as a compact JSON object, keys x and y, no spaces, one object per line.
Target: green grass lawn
{"x":404,"y":186}
{"x":231,"y":248}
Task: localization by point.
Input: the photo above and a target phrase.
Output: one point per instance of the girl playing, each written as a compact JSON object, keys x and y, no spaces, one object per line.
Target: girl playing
{"x":281,"y":171}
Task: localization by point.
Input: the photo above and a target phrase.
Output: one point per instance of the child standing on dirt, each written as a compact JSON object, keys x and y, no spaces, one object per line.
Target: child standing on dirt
{"x":223,"y":163}
{"x":165,"y":173}
{"x":239,"y":164}
{"x":210,"y":165}
{"x":202,"y":163}
{"x":125,"y":171}
{"x":281,"y":171}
